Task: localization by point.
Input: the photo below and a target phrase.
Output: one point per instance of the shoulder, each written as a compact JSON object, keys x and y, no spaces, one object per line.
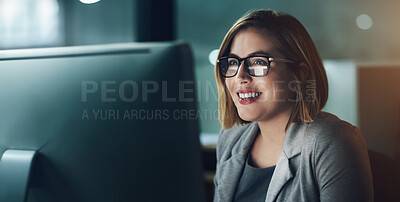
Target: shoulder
{"x":329,"y":122}
{"x":332,"y":141}
{"x":328,"y":129}
{"x":339,"y":158}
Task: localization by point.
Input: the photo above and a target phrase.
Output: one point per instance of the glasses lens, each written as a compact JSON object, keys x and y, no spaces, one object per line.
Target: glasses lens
{"x":258,"y":66}
{"x":228,"y":66}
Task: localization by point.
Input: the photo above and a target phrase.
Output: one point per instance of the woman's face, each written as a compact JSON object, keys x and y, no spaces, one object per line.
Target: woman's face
{"x":273,"y":89}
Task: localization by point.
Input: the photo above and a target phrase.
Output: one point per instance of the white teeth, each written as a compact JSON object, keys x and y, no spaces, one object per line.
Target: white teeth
{"x":248,"y":95}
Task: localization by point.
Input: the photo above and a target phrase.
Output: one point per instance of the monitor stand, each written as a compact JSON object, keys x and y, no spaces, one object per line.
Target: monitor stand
{"x":15,"y":170}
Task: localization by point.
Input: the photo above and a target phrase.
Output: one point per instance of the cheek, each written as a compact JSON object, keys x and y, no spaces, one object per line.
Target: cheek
{"x":229,"y":86}
{"x":273,"y":89}
{"x":281,"y":89}
{"x":267,"y":89}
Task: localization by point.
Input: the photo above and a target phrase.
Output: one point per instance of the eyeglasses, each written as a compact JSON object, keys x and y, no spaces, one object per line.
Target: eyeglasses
{"x":256,"y":66}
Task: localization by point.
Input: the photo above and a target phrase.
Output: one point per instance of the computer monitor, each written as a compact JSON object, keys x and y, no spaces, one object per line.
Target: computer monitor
{"x":107,"y":122}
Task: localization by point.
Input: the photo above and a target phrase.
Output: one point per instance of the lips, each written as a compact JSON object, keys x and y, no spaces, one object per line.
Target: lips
{"x":247,"y":96}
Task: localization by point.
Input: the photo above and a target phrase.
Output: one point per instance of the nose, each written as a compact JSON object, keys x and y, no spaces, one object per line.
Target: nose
{"x":242,"y":76}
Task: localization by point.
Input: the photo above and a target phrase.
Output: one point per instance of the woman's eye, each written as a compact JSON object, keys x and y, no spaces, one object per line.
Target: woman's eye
{"x":259,"y":62}
{"x":232,"y":63}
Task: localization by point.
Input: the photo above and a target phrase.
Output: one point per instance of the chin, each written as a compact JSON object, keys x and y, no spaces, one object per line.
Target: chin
{"x":247,"y":117}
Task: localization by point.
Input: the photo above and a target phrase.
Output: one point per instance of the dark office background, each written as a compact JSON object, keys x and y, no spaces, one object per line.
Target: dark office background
{"x":342,"y":29}
{"x":332,"y":23}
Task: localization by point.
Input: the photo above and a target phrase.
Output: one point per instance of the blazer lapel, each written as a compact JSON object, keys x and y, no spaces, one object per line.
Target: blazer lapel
{"x":281,"y":175}
{"x":231,"y":169}
{"x":291,"y":147}
{"x":230,"y":177}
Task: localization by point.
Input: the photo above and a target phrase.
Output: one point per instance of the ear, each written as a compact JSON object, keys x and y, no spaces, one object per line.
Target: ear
{"x":306,"y":70}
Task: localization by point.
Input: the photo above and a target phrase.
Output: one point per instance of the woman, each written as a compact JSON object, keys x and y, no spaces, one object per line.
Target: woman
{"x":276,"y":144}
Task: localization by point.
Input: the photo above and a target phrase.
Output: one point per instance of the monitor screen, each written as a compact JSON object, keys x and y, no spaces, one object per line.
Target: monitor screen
{"x":108,"y":122}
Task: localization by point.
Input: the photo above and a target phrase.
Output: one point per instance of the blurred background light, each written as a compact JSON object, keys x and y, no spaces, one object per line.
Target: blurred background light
{"x":26,"y":23}
{"x":89,"y":1}
{"x":364,"y":22}
{"x":212,"y":57}
{"x":8,"y":10}
{"x":50,"y":9}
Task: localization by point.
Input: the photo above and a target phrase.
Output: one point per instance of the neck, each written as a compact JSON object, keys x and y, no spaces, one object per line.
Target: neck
{"x":273,"y":130}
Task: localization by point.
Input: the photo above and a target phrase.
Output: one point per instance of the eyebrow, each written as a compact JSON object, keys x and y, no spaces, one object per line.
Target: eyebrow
{"x":256,"y":53}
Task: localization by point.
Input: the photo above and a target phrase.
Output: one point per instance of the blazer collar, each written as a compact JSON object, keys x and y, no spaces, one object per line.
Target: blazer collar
{"x":294,"y":139}
{"x":291,"y":147}
{"x":231,"y":169}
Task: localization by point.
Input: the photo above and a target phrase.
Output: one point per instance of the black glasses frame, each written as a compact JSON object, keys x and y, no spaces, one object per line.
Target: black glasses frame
{"x":269,"y":59}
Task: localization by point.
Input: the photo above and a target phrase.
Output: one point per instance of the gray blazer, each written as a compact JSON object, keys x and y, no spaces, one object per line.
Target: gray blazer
{"x":326,"y":160}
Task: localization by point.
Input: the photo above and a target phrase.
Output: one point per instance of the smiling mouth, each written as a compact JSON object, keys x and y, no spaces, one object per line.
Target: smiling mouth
{"x":246,"y":96}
